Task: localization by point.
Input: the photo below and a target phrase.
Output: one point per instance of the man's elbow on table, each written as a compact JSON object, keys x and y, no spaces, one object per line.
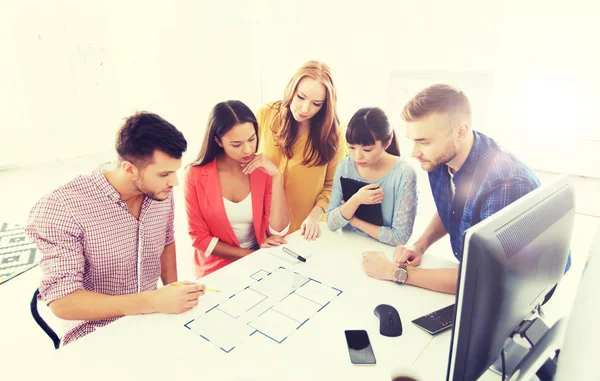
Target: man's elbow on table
{"x":62,"y":308}
{"x":85,"y":305}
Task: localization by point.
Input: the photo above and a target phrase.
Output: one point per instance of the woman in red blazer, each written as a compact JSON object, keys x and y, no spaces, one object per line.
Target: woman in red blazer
{"x":232,"y":194}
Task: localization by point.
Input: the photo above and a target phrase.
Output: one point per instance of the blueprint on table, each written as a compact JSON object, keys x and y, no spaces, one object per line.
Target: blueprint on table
{"x":275,"y":305}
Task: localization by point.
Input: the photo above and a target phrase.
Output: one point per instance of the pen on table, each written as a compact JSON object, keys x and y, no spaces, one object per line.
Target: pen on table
{"x":205,"y":289}
{"x":293,"y":254}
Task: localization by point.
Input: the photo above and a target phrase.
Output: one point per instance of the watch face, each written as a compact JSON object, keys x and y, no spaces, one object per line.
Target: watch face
{"x":400,"y":275}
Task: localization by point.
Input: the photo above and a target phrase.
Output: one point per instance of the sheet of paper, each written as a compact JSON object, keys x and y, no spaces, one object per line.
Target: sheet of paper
{"x":242,"y":302}
{"x":259,"y":274}
{"x":301,"y":247}
{"x":279,"y":284}
{"x":275,"y":304}
{"x":318,"y":292}
{"x":275,"y":325}
{"x":297,"y":307}
{"x":220,"y":329}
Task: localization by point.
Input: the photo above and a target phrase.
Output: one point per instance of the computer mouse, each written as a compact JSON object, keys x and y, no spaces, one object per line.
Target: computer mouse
{"x":389,"y":320}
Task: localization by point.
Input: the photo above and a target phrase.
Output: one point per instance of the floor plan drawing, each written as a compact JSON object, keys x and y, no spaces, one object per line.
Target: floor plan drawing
{"x":275,"y":305}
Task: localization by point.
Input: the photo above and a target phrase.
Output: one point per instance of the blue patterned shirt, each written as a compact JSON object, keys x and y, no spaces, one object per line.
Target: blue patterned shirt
{"x":490,"y":179}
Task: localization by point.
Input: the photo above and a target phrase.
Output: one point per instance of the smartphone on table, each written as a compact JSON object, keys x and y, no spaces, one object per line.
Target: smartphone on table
{"x":359,"y":347}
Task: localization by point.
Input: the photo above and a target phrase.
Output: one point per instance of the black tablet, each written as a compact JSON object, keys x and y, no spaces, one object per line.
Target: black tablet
{"x":369,"y":213}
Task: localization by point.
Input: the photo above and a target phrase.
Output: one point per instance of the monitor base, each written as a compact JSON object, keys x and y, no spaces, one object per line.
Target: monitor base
{"x":513,"y":354}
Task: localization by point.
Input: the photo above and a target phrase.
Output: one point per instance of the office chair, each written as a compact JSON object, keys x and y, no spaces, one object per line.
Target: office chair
{"x":41,"y":322}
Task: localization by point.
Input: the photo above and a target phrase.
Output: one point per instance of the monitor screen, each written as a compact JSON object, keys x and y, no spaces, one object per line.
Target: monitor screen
{"x":510,"y":262}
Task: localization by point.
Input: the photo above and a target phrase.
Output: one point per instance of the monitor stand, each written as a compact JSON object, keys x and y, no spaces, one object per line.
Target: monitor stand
{"x":517,"y":347}
{"x":513,"y":354}
{"x":541,"y":353}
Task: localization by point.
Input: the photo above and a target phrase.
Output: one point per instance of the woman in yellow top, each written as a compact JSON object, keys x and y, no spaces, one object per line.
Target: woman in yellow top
{"x":301,"y":135}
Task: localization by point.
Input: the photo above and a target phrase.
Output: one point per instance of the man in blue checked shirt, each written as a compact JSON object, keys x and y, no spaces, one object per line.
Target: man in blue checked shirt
{"x":471,"y":178}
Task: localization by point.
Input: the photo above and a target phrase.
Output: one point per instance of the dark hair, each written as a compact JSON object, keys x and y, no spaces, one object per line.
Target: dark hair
{"x":223,"y":117}
{"x":145,"y":132}
{"x":368,"y":125}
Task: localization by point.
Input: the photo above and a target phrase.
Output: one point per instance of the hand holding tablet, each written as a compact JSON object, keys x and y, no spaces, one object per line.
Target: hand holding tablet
{"x":371,"y":197}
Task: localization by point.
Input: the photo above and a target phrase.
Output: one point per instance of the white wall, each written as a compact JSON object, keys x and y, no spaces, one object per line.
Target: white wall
{"x":547,"y":81}
{"x":73,"y":70}
{"x":37,"y":89}
{"x":536,"y":63}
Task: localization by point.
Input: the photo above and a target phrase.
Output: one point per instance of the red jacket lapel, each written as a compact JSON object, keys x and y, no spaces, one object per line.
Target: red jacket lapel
{"x":212,"y":188}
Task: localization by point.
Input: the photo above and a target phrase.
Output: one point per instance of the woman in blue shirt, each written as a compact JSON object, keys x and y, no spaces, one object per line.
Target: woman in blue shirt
{"x":375,"y":159}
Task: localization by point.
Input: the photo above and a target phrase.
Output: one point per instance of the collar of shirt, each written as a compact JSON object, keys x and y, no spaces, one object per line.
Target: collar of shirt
{"x":470,"y":164}
{"x":100,"y":180}
{"x":107,"y":188}
{"x":452,"y":186}
{"x":450,"y":192}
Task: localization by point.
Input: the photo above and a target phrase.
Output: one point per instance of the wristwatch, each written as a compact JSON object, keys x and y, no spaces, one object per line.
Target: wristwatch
{"x":400,"y":274}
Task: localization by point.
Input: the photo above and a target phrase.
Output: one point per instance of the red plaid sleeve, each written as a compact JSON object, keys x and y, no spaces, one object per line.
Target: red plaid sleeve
{"x":59,"y":238}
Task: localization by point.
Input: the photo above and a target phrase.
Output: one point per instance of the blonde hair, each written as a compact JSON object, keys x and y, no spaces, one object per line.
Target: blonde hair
{"x":439,"y":98}
{"x":323,"y":141}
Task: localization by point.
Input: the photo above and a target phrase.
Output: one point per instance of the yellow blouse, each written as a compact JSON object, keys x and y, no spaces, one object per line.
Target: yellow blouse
{"x":304,"y":186}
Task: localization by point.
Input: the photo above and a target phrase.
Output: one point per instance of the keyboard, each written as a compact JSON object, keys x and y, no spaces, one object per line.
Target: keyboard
{"x":437,"y":321}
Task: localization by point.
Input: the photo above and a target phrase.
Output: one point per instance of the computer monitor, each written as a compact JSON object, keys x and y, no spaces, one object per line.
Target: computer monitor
{"x":575,"y":335}
{"x":510,"y":261}
{"x":577,"y":359}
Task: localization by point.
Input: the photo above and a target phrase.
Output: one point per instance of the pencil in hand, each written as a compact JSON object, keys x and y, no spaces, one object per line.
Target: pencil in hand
{"x":206,"y":289}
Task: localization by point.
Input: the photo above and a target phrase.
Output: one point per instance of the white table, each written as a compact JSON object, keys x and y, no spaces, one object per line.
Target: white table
{"x":158,"y":346}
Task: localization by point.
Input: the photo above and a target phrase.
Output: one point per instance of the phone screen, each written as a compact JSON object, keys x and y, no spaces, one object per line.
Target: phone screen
{"x":359,"y":347}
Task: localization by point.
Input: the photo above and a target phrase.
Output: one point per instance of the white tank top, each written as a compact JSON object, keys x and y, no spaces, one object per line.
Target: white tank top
{"x":240,"y":218}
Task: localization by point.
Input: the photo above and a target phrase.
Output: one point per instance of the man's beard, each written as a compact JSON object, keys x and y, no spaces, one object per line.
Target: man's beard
{"x":446,"y":156}
{"x":139,"y":184}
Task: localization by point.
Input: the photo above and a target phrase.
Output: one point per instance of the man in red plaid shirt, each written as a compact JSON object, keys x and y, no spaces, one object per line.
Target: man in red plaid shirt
{"x":107,"y":236}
